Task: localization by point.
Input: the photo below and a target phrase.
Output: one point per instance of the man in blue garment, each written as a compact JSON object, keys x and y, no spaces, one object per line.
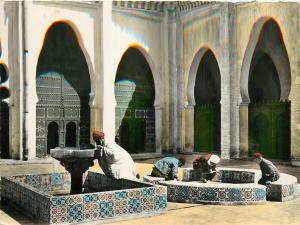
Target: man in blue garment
{"x":167,"y":167}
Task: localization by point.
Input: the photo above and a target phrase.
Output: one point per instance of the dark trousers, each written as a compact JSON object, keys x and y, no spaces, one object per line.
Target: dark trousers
{"x":263,"y":180}
{"x":208,"y":176}
{"x":156,"y":173}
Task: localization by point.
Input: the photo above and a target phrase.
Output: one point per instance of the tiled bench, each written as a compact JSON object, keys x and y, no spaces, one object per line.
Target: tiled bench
{"x":283,"y":189}
{"x":215,"y":193}
{"x":232,"y":186}
{"x":225,"y":175}
{"x":152,"y":180}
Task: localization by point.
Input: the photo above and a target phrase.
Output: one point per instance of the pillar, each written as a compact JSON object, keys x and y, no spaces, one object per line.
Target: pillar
{"x":244,"y":131}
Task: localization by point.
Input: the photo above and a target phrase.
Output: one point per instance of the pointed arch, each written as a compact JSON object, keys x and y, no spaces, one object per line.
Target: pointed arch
{"x":265,"y":87}
{"x":204,"y":51}
{"x":153,"y":68}
{"x":279,"y":56}
{"x":204,"y":95}
{"x":135,"y":98}
{"x":63,"y":84}
{"x":192,"y":76}
{"x":80,"y":42}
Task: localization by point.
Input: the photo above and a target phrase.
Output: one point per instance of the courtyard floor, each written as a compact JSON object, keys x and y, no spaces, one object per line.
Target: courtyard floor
{"x":272,"y":213}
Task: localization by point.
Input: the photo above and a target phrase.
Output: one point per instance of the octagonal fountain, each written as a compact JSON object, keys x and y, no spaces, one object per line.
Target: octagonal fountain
{"x":230,"y":186}
{"x":64,"y":198}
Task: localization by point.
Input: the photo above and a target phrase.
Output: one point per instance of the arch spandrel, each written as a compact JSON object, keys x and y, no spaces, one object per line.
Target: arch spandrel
{"x":193,"y":73}
{"x":155,"y":71}
{"x":281,"y":63}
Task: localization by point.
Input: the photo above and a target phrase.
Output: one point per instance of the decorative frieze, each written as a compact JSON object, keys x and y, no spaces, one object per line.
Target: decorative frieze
{"x":160,"y":5}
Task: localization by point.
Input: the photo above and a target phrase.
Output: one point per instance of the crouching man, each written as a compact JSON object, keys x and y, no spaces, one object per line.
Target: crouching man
{"x":167,"y":168}
{"x":207,"y":165}
{"x":113,"y":159}
{"x":269,"y":173}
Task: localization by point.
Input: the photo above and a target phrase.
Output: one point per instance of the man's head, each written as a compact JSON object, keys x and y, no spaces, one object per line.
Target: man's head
{"x":98,"y":136}
{"x":197,"y":163}
{"x":181,"y":161}
{"x":213,"y":160}
{"x":257,"y":157}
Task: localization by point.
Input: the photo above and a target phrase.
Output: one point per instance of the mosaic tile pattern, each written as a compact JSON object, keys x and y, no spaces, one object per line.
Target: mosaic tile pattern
{"x":237,"y":177}
{"x":223,"y":175}
{"x":153,"y":180}
{"x":127,"y":198}
{"x":25,"y":197}
{"x":193,"y":192}
{"x":282,"y":190}
{"x":46,"y":182}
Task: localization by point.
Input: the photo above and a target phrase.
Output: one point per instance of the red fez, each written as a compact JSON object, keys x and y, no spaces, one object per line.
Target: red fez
{"x":257,"y":155}
{"x":98,"y":134}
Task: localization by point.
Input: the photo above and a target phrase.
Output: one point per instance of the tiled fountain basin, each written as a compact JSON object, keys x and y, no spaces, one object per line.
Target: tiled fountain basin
{"x":230,"y":186}
{"x":281,"y":190}
{"x":215,"y":193}
{"x":104,"y":200}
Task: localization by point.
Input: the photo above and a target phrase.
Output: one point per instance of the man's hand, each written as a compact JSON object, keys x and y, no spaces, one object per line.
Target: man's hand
{"x":100,"y":147}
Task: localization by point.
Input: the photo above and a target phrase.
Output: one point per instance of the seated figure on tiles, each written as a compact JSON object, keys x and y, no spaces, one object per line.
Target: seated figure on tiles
{"x":113,"y":159}
{"x":167,"y":168}
{"x":207,"y":166}
{"x":269,"y":173}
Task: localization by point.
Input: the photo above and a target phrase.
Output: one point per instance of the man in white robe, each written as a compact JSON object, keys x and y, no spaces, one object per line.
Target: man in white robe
{"x":113,"y":159}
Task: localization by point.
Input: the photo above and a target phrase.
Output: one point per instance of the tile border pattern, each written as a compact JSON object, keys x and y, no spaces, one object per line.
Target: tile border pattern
{"x":128,"y":198}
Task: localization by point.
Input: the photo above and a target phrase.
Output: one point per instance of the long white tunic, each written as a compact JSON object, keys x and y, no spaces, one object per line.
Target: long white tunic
{"x":116,"y":162}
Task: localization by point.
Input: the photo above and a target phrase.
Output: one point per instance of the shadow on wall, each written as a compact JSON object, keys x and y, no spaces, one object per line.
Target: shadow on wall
{"x":61,"y":55}
{"x":135,"y":94}
{"x":4,"y":130}
{"x":207,"y":111}
{"x":269,"y":86}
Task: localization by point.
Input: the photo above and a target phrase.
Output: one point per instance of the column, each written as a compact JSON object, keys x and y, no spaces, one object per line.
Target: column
{"x":29,"y":94}
{"x":295,"y":127}
{"x":189,"y":129}
{"x":225,"y":82}
{"x":234,"y":91}
{"x":108,"y":102}
{"x":158,"y":128}
{"x":15,"y":68}
{"x":244,"y":131}
{"x":172,"y":63}
{"x":180,"y":85}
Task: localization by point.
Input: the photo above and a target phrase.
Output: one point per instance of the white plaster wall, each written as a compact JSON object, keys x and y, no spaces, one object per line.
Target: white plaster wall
{"x":123,"y":28}
{"x":142,"y":30}
{"x":39,"y":16}
{"x":205,"y":28}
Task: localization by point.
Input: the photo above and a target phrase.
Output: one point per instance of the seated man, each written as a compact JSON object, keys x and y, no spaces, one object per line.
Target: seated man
{"x":207,"y":164}
{"x":269,"y":172}
{"x":113,"y":159}
{"x":167,"y":168}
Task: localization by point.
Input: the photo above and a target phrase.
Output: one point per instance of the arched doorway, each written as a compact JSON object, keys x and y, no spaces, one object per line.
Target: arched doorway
{"x":207,"y":110}
{"x":269,"y":110}
{"x":52,"y":136}
{"x":135,"y":94}
{"x":63,"y":86}
{"x":71,"y":134}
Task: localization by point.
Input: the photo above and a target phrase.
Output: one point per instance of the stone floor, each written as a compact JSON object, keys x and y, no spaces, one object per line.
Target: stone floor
{"x":272,"y":213}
